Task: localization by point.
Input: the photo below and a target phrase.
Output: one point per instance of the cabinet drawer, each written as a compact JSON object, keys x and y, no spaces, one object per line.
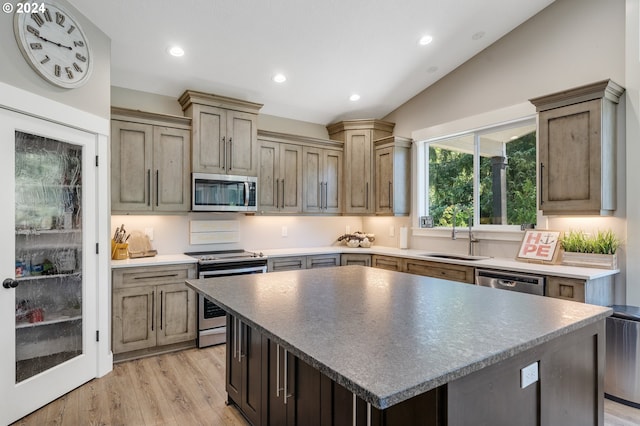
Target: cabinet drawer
{"x":387,"y":262}
{"x":322,"y":261}
{"x":445,"y":271}
{"x":566,"y":288}
{"x":355,"y":259}
{"x":286,"y":263}
{"x":152,"y":275}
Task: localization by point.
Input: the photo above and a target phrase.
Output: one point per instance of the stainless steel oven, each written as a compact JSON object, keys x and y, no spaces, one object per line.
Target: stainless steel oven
{"x":211,"y":319}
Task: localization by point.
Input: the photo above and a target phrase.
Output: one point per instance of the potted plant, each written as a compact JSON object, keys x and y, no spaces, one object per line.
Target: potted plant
{"x":595,"y":251}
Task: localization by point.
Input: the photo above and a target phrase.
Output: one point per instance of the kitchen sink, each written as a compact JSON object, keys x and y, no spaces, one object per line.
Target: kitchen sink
{"x":455,"y":256}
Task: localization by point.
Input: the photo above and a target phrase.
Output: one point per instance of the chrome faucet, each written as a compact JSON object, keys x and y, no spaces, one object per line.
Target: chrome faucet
{"x":472,"y":239}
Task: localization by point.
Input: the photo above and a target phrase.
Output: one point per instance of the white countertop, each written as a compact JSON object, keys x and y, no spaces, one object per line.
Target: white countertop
{"x":158,"y":260}
{"x":506,"y":264}
{"x":492,"y":263}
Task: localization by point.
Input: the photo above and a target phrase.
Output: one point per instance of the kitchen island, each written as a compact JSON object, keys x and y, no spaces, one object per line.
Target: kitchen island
{"x":369,"y":345}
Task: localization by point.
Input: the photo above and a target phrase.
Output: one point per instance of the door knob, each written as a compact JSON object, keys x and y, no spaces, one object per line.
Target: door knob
{"x":9,"y":283}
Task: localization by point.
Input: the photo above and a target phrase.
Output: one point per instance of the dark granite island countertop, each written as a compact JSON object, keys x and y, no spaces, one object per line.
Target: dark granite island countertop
{"x":388,"y":336}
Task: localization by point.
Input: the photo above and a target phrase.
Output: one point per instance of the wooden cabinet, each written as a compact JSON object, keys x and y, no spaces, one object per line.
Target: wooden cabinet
{"x":290,"y":263}
{"x":279,"y":177}
{"x":361,"y":259}
{"x":153,"y":310}
{"x":447,"y":271}
{"x":323,"y":260}
{"x":224,"y":135}
{"x":392,"y":176}
{"x":322,"y":180}
{"x":390,"y":263}
{"x":150,"y":169}
{"x":577,"y":149}
{"x":598,"y":291}
{"x":244,"y":373}
{"x":358,"y":182}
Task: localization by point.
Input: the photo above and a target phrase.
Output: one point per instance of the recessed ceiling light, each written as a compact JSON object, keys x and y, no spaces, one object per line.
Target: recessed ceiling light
{"x":354,"y":97}
{"x":279,"y":78}
{"x":424,"y":40}
{"x":478,"y":35}
{"x":176,"y":51}
{"x":432,"y":69}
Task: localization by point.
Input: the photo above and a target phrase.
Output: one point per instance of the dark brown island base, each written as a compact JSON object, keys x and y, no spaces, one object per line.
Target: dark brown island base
{"x":362,"y":346}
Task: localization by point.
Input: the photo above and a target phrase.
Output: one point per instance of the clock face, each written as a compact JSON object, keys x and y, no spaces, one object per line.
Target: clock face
{"x":53,"y":43}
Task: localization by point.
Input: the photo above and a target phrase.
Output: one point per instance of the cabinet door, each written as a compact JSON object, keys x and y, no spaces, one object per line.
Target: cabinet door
{"x":234,"y":360}
{"x":355,"y":259}
{"x":357,"y":172}
{"x":131,"y":164}
{"x":242,"y":144}
{"x":134,"y":321}
{"x":332,"y":166}
{"x":290,"y":174}
{"x":313,"y":180}
{"x":289,"y":263}
{"x":176,"y":315}
{"x":387,"y":262}
{"x":269,"y":176}
{"x":384,"y":180}
{"x":322,"y":261}
{"x":571,"y":158}
{"x":566,"y":288}
{"x":172,"y":177}
{"x":209,"y":139}
{"x":447,"y":271}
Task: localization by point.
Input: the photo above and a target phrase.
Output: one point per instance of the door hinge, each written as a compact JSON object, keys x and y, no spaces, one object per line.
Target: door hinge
{"x":97,"y":248}
{"x":97,"y":335}
{"x":96,"y":161}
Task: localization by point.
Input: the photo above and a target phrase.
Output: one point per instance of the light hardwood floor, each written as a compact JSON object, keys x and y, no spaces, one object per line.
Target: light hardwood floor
{"x":182,"y":388}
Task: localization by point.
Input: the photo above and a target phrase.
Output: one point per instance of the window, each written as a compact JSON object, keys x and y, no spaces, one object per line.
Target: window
{"x":487,"y":176}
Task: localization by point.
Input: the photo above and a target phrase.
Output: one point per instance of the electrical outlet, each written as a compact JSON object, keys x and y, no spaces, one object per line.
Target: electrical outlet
{"x":284,"y":231}
{"x":529,"y":375}
{"x":149,"y":233}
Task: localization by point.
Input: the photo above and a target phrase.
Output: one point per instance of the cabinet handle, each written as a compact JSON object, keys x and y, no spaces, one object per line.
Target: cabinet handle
{"x":326,"y":190}
{"x":230,"y":153}
{"x":320,"y":195}
{"x":155,"y":276}
{"x":277,"y":370}
{"x":366,"y":194}
{"x":153,"y":309}
{"x":541,"y":180}
{"x":157,"y":184}
{"x":224,"y":153}
{"x":355,"y":415}
{"x":283,"y":193}
{"x":239,"y":340}
{"x":286,"y":368}
{"x":161,"y":307}
{"x":277,"y":192}
{"x":390,"y":195}
{"x":149,"y":187}
{"x":234,"y":332}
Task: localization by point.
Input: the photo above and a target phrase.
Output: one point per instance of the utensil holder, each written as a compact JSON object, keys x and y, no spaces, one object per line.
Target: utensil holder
{"x":119,"y":251}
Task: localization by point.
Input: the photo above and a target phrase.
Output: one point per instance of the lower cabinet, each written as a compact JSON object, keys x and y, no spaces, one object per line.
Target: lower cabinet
{"x":153,"y":310}
{"x":598,"y":291}
{"x":347,"y":259}
{"x":447,"y":271}
{"x":387,"y":262}
{"x":272,"y":387}
{"x":290,"y":263}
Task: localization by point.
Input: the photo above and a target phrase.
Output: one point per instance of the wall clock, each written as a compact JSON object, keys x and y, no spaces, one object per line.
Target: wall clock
{"x":53,"y":43}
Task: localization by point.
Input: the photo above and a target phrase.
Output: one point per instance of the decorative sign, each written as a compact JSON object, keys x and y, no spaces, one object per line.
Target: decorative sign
{"x":540,"y":246}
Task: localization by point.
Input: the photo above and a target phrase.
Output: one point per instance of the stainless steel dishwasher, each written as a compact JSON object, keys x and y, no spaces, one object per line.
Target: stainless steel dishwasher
{"x":514,"y":281}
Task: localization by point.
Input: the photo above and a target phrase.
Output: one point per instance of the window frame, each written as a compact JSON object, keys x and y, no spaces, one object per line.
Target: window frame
{"x":421,"y":192}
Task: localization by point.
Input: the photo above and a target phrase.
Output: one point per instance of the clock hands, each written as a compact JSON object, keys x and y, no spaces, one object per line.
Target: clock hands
{"x":53,"y":42}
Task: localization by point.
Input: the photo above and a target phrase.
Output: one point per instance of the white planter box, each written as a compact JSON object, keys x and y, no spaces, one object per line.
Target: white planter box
{"x":590,"y":260}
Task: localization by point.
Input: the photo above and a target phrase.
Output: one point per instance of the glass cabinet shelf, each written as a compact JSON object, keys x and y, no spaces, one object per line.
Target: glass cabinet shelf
{"x":53,"y":320}
{"x":46,"y":277}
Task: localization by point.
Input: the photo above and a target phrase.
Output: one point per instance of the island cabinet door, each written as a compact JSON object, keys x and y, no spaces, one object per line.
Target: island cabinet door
{"x":244,"y":368}
{"x":293,"y":390}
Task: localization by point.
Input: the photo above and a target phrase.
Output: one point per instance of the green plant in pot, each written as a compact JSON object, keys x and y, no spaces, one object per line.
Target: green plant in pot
{"x":591,"y":250}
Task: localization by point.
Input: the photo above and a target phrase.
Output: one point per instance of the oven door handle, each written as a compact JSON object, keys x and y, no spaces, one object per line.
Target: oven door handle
{"x":219,"y":272}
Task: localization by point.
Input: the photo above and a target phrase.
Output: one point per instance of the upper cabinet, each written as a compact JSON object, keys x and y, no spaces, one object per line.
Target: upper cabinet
{"x":299,"y":174}
{"x":149,"y":162}
{"x":577,"y":149}
{"x":358,"y":176}
{"x":393,"y":176}
{"x":224,"y":133}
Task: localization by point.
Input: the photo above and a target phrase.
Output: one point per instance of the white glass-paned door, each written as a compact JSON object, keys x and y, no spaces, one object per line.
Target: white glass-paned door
{"x":48,"y":262}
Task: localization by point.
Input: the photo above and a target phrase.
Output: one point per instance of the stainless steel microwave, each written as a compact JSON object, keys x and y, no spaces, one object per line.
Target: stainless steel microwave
{"x":223,"y":193}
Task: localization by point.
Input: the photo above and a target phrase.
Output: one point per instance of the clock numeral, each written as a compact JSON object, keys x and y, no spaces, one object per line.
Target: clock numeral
{"x":47,"y":15}
{"x":36,"y":17}
{"x":81,"y":58}
{"x":56,"y":70}
{"x":69,"y":73}
{"x":78,"y":43}
{"x":60,"y":19}
{"x":33,"y":31}
{"x":45,"y":60}
{"x":77,"y":67}
{"x":35,"y":46}
{"x":70,"y":30}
